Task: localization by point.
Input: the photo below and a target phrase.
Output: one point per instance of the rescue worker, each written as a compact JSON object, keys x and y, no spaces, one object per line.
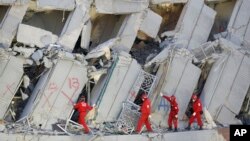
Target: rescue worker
{"x":197,"y":111}
{"x":145,"y":114}
{"x":82,"y":107}
{"x":173,"y":115}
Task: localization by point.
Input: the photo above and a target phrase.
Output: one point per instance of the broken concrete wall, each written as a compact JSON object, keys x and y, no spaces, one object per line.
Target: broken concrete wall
{"x":239,"y":23}
{"x":11,"y":72}
{"x":227,"y":84}
{"x":120,"y":6}
{"x":195,"y":23}
{"x":115,"y":88}
{"x":74,"y":25}
{"x":9,"y":25}
{"x":56,"y":4}
{"x":33,"y":36}
{"x":55,"y":93}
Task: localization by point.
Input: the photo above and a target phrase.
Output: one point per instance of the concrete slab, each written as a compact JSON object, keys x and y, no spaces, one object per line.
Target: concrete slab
{"x":116,"y":88}
{"x":15,"y":2}
{"x":167,"y":1}
{"x":128,"y":31}
{"x":86,"y":34}
{"x":240,"y":86}
{"x":239,"y":21}
{"x":34,"y":36}
{"x":55,"y":93}
{"x":56,"y":4}
{"x":74,"y":25}
{"x":120,"y":6}
{"x":227,"y":117}
{"x":9,"y":25}
{"x":124,"y":90}
{"x":151,"y":23}
{"x":195,"y":23}
{"x":11,"y":72}
{"x":225,"y":82}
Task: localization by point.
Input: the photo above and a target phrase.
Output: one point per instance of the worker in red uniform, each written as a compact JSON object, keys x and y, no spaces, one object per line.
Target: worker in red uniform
{"x":173,"y":115}
{"x":145,"y":114}
{"x":82,"y":107}
{"x":197,"y":111}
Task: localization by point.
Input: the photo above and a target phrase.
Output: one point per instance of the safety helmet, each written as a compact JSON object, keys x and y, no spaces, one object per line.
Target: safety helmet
{"x":144,"y":96}
{"x":172,"y":98}
{"x":194,"y":97}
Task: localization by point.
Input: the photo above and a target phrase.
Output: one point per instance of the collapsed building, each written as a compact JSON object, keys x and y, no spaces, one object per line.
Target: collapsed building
{"x":113,"y":51}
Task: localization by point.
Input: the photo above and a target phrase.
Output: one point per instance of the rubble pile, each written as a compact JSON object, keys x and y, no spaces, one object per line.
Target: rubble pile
{"x":54,"y":52}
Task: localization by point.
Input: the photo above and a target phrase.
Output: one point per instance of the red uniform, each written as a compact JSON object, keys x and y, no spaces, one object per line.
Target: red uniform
{"x":173,"y":115}
{"x":83,"y":108}
{"x":144,"y":119}
{"x":197,"y":108}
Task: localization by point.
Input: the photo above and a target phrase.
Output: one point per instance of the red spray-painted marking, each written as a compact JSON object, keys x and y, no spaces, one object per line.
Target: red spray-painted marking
{"x":8,"y":88}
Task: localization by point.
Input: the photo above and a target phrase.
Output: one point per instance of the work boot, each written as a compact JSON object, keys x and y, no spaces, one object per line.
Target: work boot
{"x":175,"y":130}
{"x":200,"y":128}
{"x":188,"y":128}
{"x":169,"y":128}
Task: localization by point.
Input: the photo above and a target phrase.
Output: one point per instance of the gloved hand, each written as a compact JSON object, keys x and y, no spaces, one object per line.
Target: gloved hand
{"x":149,"y":116}
{"x":161,"y":94}
{"x":201,"y":112}
{"x":176,"y":116}
{"x":93,"y":105}
{"x":194,"y":113}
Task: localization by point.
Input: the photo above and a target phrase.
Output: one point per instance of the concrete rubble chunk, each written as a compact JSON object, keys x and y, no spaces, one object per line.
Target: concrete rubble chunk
{"x":74,"y":25}
{"x":40,"y":38}
{"x":55,"y":93}
{"x":56,"y":4}
{"x":10,"y":24}
{"x":11,"y":71}
{"x":120,"y":6}
{"x":86,"y":33}
{"x":151,"y":23}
